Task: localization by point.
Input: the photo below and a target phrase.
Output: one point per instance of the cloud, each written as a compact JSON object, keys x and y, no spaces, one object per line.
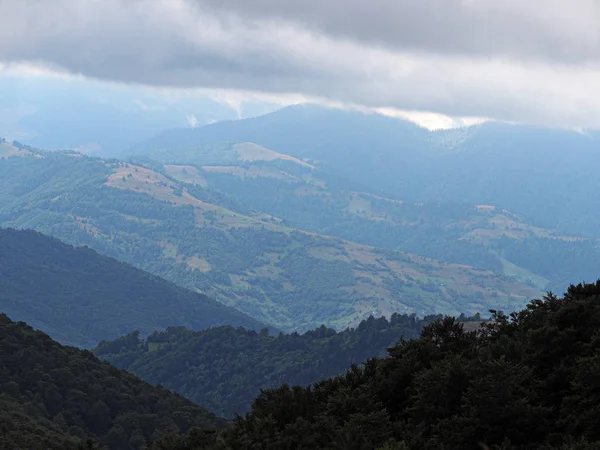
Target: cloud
{"x":192,"y":120}
{"x":533,"y":61}
{"x":546,"y":29}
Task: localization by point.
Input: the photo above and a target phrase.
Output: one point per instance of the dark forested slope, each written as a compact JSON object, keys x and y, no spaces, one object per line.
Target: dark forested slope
{"x":56,"y":397}
{"x":528,"y":381}
{"x":80,"y":297}
{"x":224,"y":368}
{"x":525,"y":381}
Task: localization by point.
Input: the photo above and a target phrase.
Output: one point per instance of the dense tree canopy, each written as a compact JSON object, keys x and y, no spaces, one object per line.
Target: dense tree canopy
{"x":525,"y":381}
{"x":55,"y":397}
{"x":224,"y":368}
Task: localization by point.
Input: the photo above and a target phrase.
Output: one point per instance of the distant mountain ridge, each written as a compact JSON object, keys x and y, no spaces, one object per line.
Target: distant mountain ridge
{"x":524,"y":169}
{"x":103,"y":119}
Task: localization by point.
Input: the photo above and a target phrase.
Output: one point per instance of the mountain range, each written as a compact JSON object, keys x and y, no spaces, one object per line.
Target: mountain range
{"x":544,"y":174}
{"x":305,"y":196}
{"x":298,"y":271}
{"x":295,"y":219}
{"x":204,"y":240}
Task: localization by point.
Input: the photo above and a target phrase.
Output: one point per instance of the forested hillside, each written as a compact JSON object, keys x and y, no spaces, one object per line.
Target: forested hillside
{"x":530,"y":380}
{"x":483,"y":236}
{"x":224,"y":368}
{"x":284,"y":276}
{"x":55,"y":397}
{"x":80,"y":297}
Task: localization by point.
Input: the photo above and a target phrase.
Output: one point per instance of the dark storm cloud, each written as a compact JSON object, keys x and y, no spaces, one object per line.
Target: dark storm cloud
{"x":531,"y":61}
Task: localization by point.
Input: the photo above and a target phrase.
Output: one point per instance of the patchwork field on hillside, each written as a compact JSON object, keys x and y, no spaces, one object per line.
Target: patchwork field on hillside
{"x":249,"y":259}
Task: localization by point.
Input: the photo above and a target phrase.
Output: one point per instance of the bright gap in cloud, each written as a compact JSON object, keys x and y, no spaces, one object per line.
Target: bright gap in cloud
{"x":236,"y":99}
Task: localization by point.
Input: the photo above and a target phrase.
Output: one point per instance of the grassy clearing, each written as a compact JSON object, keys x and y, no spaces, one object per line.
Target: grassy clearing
{"x":523,"y":275}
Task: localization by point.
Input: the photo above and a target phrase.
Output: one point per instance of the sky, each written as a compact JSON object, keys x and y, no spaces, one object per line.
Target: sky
{"x":441,"y":62}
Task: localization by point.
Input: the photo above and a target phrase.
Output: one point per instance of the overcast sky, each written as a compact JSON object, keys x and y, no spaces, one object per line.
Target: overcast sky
{"x":534,"y":61}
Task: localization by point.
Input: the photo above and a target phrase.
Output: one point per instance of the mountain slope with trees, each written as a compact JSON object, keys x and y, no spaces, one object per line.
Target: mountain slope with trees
{"x":483,"y":236}
{"x":224,"y":368}
{"x":530,"y":380}
{"x":80,"y":297}
{"x":200,"y":239}
{"x":56,"y":397}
